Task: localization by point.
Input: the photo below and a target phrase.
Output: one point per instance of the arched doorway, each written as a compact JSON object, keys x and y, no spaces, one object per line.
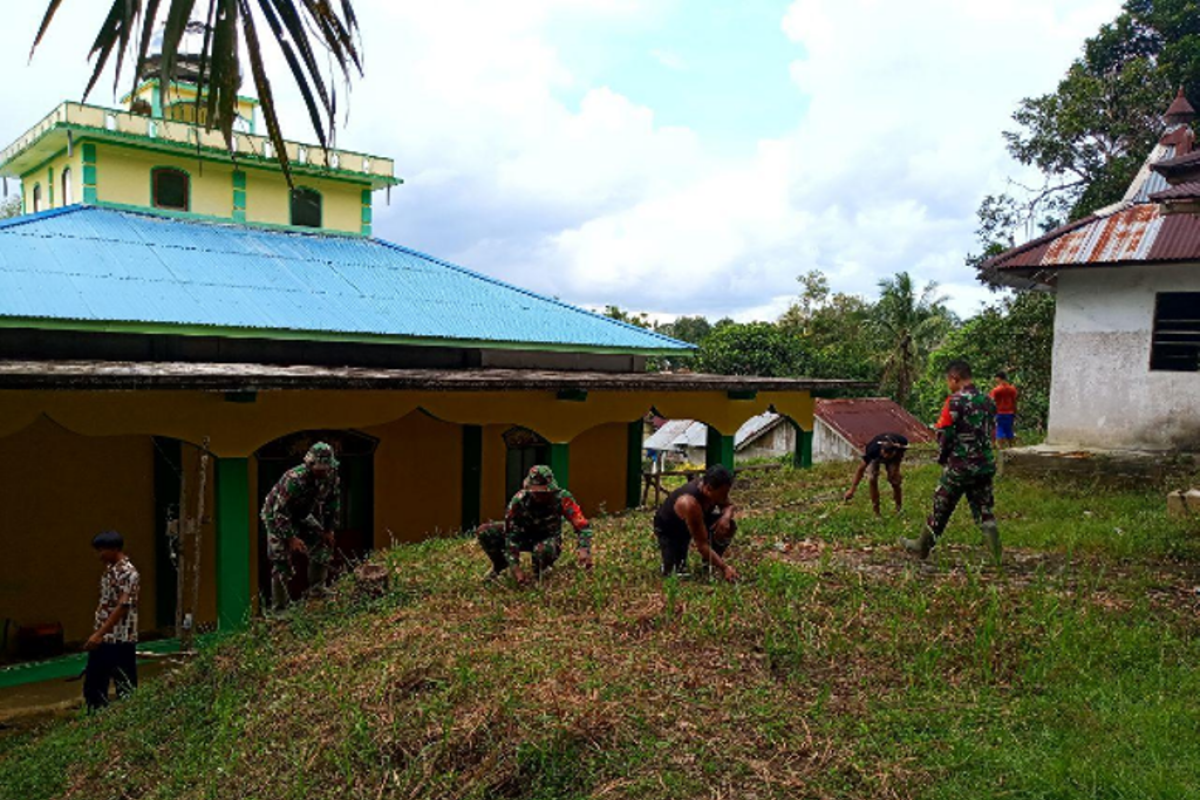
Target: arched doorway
{"x":525,"y":450}
{"x":356,"y":454}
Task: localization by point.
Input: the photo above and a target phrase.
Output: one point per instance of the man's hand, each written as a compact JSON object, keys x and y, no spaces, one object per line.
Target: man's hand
{"x":720,"y":528}
{"x":520,"y":576}
{"x":849,"y":495}
{"x":297,"y":545}
{"x":94,"y":641}
{"x":330,"y":538}
{"x":585,"y":557}
{"x":729,"y":573}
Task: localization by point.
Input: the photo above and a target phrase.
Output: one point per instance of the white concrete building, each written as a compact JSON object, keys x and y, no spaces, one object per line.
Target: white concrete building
{"x":1126,"y":361}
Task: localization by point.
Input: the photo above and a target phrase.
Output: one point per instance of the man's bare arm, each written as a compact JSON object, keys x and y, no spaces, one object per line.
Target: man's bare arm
{"x":689,"y":510}
{"x":858,"y":476}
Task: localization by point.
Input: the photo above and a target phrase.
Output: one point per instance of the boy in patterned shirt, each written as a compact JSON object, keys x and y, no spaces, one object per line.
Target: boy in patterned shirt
{"x":112,"y":648}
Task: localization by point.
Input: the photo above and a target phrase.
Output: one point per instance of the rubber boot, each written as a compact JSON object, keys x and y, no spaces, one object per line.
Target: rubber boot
{"x":991,"y":537}
{"x":922,"y":546}
{"x":318,"y":574}
{"x":279,"y":595}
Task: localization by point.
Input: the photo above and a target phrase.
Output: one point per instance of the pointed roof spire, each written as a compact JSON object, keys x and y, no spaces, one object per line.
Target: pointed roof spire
{"x":1180,"y":112}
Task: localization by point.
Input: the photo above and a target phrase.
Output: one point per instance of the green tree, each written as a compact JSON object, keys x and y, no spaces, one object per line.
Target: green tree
{"x":1014,"y":335}
{"x":911,"y":325}
{"x":687,"y":329}
{"x":639,"y":319}
{"x":835,"y":330}
{"x":313,"y":37}
{"x":755,"y":348}
{"x":10,"y":207}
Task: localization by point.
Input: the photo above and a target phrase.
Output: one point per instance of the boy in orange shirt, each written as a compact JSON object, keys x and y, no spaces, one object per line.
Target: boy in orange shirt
{"x":1005,"y":398}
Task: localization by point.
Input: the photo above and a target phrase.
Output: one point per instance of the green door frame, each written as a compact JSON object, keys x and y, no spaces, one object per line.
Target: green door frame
{"x":718,"y":449}
{"x":233,"y":543}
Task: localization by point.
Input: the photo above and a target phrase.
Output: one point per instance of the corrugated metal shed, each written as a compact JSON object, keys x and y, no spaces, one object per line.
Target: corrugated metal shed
{"x":680,"y":434}
{"x":859,"y":420}
{"x":95,"y":266}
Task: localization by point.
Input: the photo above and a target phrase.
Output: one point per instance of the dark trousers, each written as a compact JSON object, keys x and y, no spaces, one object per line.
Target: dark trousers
{"x":110,"y":662}
{"x":674,"y":547}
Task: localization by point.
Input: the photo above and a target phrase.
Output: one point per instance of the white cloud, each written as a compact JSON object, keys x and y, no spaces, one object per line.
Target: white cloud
{"x":524,"y":166}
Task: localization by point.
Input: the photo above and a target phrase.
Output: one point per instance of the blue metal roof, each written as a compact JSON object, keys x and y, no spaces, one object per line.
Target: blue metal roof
{"x":98,"y":265}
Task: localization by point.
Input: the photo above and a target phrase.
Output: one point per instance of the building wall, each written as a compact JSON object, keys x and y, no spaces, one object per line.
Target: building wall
{"x":779,"y":441}
{"x":598,"y":467}
{"x":49,"y":177}
{"x":60,"y":490}
{"x":1103,"y":393}
{"x":828,"y":446}
{"x":418,"y":479}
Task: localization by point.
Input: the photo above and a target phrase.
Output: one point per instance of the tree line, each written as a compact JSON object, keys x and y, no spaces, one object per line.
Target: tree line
{"x":897,"y":342}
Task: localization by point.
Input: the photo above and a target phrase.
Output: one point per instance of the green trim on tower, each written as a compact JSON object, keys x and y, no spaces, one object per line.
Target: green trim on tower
{"x":90,"y":175}
{"x":718,"y":449}
{"x":367,"y":214}
{"x":239,"y":196}
{"x":50,"y":187}
{"x":633,"y":464}
{"x":472,"y":475}
{"x":233,"y":543}
{"x":560,"y":463}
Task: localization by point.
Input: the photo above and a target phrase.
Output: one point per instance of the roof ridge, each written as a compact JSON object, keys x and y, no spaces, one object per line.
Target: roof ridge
{"x":520,"y":290}
{"x":38,"y":216}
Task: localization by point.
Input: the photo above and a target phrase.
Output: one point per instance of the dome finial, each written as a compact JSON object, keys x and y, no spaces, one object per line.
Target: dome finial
{"x":1180,"y":112}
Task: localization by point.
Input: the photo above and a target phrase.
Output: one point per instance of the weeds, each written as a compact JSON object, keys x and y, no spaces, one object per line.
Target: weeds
{"x":837,"y":668}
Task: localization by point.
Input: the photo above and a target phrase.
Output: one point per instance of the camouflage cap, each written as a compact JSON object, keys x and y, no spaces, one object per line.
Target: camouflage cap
{"x":540,"y":479}
{"x":320,"y":454}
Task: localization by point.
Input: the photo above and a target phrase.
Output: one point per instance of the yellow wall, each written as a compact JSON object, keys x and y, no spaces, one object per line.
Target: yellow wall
{"x":123,"y":175}
{"x":418,"y":478}
{"x":598,"y":466}
{"x":42,"y":176}
{"x":493,"y":499}
{"x":60,"y":490}
{"x":268,"y":200}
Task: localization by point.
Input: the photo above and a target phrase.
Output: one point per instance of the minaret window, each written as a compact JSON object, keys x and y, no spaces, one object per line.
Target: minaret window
{"x":170,"y":187}
{"x":68,"y":194}
{"x":306,"y":208}
{"x":37,"y":197}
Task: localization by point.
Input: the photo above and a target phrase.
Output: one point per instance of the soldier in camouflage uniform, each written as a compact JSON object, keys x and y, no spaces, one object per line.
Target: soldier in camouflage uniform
{"x":968,"y":464}
{"x":299,"y":515}
{"x":533,"y":523}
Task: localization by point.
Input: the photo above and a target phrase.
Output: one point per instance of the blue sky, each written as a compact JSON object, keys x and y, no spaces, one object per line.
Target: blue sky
{"x":670,"y":157}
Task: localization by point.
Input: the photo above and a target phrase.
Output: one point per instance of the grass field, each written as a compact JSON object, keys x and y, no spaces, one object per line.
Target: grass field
{"x":836,"y":668}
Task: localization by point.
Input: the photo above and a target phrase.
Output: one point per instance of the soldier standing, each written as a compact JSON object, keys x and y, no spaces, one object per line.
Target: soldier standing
{"x":533,"y":523}
{"x":300,"y":514}
{"x":968,"y":464}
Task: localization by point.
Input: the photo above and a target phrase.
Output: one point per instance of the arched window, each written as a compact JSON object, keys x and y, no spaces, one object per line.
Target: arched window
{"x":170,"y":188}
{"x":306,"y":208}
{"x":68,"y":194}
{"x":525,"y":449}
{"x":37,"y":197}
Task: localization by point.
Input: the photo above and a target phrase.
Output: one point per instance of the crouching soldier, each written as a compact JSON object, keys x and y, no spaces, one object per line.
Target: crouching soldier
{"x":300,"y":514}
{"x":965,"y":431}
{"x":533,"y":523}
{"x":698,"y":512}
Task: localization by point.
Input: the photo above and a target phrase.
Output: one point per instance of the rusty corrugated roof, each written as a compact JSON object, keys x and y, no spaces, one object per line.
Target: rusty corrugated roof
{"x":859,"y":420}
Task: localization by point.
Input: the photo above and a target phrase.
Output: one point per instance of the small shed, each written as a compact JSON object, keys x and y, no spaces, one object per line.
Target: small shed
{"x":762,"y":436}
{"x":843,"y":428}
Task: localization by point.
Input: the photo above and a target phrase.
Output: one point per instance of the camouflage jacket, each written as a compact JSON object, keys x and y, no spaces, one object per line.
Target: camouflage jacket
{"x":965,"y":432}
{"x":528,"y":522}
{"x":298,"y":496}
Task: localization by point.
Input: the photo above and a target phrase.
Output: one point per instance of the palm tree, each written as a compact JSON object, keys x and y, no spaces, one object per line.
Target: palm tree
{"x":912,"y":325}
{"x":230,"y":28}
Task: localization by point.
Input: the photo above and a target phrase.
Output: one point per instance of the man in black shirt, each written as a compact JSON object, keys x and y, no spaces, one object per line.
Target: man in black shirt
{"x":887,"y":451}
{"x":698,"y":513}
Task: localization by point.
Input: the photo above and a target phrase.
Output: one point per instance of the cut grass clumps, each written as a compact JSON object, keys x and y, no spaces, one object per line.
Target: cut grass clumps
{"x":837,"y":668}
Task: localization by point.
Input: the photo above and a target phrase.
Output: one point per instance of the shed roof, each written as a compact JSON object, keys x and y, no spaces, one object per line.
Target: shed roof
{"x":859,"y":420}
{"x":677,"y":434}
{"x":97,"y":268}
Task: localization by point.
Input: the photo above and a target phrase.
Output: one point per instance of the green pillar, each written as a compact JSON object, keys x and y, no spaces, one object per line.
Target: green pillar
{"x":233,"y":543}
{"x":472,"y":475}
{"x":560,"y":463}
{"x":718,"y":449}
{"x":633,"y":468}
{"x":804,"y":448}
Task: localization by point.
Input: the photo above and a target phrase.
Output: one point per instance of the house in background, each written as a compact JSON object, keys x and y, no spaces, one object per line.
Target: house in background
{"x":1127,"y":325}
{"x":163,"y":294}
{"x":844,"y":428}
{"x":766,"y":435}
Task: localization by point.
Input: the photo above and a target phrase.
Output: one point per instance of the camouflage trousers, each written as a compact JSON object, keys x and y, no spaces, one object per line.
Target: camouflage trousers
{"x":319,"y":551}
{"x":491,"y":539}
{"x":950,"y":489}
